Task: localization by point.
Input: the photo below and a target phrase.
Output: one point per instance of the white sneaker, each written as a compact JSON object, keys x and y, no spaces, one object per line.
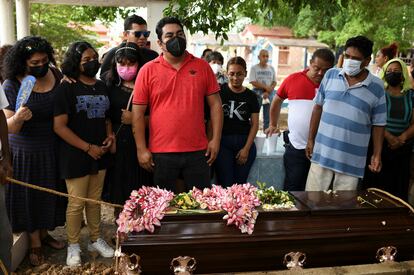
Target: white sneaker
{"x":102,"y":248}
{"x":73,"y":258}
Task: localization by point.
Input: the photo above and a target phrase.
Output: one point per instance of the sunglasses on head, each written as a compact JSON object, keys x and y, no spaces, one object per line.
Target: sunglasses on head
{"x":139,"y":33}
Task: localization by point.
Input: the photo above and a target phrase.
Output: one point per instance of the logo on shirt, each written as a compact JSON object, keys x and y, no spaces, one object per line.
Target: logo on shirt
{"x":231,"y":110}
{"x":192,"y":72}
{"x":94,"y":105}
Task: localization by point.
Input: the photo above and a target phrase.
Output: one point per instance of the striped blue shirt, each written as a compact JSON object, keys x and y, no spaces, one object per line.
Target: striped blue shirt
{"x":348,"y":113}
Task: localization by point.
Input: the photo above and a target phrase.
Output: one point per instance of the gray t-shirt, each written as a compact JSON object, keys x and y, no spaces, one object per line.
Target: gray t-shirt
{"x":263,"y":75}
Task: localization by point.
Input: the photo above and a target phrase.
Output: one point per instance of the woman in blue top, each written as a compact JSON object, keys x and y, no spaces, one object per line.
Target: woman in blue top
{"x":241,"y":122}
{"x":399,"y":131}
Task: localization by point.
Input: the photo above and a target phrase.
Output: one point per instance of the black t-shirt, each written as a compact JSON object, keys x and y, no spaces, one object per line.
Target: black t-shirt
{"x":87,"y":107}
{"x":237,"y":108}
{"x":147,"y":55}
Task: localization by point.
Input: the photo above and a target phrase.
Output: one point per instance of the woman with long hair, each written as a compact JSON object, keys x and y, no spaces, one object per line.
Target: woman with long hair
{"x":33,"y":143}
{"x":82,"y":121}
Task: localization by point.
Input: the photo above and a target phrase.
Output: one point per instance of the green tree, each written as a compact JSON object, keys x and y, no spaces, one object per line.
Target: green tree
{"x":330,"y":21}
{"x":62,"y":24}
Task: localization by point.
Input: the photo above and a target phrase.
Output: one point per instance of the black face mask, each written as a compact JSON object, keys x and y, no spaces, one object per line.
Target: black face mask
{"x":39,"y":71}
{"x":176,"y":46}
{"x":91,"y":68}
{"x":393,"y":78}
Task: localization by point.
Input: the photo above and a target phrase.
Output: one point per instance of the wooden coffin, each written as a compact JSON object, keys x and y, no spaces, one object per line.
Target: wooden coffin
{"x":331,"y":229}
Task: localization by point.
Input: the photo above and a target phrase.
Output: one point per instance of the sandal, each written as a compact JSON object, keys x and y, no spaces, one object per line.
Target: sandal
{"x":53,"y":243}
{"x":36,"y":257}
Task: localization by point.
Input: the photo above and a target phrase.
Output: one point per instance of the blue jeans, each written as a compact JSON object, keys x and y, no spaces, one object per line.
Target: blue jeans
{"x":296,"y":168}
{"x":227,"y":170}
{"x":266,"y":107}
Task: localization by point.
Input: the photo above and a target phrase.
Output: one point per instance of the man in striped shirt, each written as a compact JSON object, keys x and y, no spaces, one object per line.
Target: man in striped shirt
{"x":349,"y":106}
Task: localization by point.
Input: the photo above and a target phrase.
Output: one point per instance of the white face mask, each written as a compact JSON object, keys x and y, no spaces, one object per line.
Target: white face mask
{"x":352,"y":67}
{"x":216,"y":68}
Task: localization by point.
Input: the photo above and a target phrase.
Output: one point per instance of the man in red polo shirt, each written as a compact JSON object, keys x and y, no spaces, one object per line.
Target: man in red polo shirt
{"x":173,"y":87}
{"x":300,"y":89}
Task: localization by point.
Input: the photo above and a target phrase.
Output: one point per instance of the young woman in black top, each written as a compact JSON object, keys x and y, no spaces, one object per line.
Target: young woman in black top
{"x":125,"y":175}
{"x":241,"y":121}
{"x":82,"y":121}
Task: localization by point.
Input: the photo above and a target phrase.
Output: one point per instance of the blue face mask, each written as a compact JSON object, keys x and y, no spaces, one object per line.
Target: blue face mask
{"x":352,"y":67}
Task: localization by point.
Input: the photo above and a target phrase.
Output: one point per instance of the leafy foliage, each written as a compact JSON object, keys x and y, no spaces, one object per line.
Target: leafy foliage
{"x":62,"y":24}
{"x":330,"y":21}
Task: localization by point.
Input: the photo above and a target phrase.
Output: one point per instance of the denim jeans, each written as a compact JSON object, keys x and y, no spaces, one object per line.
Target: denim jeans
{"x":266,"y":107}
{"x":227,"y":170}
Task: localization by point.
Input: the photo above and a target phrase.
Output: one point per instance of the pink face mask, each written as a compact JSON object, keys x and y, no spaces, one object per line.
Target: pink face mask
{"x":127,"y":73}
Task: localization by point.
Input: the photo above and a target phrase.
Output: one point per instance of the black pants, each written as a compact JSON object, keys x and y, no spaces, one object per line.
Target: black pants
{"x":190,"y":166}
{"x":394,"y":176}
{"x":296,"y":168}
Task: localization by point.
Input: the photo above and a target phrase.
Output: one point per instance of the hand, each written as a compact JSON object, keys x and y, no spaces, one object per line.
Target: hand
{"x":268,"y":90}
{"x":126,"y":117}
{"x":375,"y":165}
{"x":107,"y":143}
{"x":145,"y":160}
{"x":68,"y":79}
{"x":242,"y":156}
{"x":23,"y":114}
{"x":402,"y":138}
{"x":272,"y":130}
{"x":212,"y":151}
{"x":309,"y":149}
{"x":6,"y":170}
{"x":95,"y":152}
{"x":393,"y":142}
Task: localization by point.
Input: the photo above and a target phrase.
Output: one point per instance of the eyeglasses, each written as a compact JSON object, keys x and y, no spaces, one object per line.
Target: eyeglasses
{"x":237,"y":75}
{"x":146,"y":34}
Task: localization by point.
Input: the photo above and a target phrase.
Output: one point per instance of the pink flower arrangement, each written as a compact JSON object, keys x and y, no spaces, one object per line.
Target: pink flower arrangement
{"x":146,"y":206}
{"x":144,"y":210}
{"x":239,"y":201}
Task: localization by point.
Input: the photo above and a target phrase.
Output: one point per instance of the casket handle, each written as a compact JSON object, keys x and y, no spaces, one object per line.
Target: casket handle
{"x":294,"y":260}
{"x":129,"y":264}
{"x":183,"y":265}
{"x":386,"y":254}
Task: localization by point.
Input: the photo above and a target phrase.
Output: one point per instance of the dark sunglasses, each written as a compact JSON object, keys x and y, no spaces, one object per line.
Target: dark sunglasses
{"x":139,"y":33}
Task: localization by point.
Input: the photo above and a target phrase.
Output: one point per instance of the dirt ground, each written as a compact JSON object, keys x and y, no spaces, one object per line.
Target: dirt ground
{"x":91,"y":262}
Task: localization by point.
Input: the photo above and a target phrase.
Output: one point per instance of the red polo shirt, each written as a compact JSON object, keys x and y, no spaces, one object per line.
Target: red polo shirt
{"x":176,"y":102}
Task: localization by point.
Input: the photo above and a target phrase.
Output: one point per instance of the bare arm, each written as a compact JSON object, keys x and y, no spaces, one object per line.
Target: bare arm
{"x":5,"y":162}
{"x":258,"y":85}
{"x":377,"y":140}
{"x":15,"y":120}
{"x":216,"y":116}
{"x":313,"y":129}
{"x":62,"y":130}
{"x":408,"y":133}
{"x":274,"y":116}
{"x":138,"y":129}
{"x":243,"y":154}
{"x":273,"y":85}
